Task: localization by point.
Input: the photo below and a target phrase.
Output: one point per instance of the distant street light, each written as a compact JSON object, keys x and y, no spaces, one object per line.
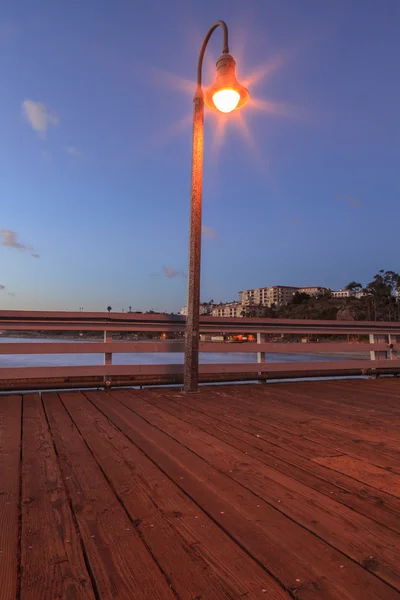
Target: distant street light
{"x":225,"y":95}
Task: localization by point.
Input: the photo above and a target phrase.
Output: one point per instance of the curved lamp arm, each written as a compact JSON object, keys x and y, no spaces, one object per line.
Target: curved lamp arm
{"x":191,"y":366}
{"x":225,"y":50}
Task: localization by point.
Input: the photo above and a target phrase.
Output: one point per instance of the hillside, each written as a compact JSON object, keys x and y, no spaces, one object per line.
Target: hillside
{"x":342,"y":309}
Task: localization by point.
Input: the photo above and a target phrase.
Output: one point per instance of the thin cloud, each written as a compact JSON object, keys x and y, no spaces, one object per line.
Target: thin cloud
{"x":2,"y":287}
{"x":209,"y":232}
{"x":9,"y":240}
{"x":171,"y":273}
{"x":353,"y":201}
{"x":39,"y":117}
{"x":11,"y":293}
{"x":72,"y":150}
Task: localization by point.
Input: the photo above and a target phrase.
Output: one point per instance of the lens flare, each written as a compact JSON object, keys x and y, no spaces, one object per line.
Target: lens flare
{"x":226,"y":100}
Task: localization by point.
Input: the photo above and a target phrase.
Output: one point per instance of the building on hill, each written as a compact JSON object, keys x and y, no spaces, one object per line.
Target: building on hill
{"x":280,"y":295}
{"x":313,"y":291}
{"x":229,"y":309}
{"x":342,"y":293}
{"x":205,"y":309}
{"x":248,"y":297}
{"x":277,"y":295}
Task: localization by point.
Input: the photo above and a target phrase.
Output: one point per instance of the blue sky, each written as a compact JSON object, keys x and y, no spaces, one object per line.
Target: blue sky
{"x":95,"y":149}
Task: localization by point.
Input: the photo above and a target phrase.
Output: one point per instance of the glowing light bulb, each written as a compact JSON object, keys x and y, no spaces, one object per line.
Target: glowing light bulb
{"x":226,"y":100}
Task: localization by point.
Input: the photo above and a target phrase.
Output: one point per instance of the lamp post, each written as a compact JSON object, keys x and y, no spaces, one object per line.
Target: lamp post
{"x":225,"y":95}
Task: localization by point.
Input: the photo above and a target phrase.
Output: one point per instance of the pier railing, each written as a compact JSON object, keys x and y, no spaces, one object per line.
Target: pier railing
{"x":358,"y":347}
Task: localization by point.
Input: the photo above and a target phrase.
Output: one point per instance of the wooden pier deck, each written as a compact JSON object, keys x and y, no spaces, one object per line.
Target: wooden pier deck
{"x":275,"y":491}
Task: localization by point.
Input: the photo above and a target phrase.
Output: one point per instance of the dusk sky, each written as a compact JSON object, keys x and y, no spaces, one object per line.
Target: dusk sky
{"x":301,"y":187}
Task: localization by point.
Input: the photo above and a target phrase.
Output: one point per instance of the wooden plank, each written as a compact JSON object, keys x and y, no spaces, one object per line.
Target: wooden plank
{"x":91,"y":326}
{"x":365,"y":499}
{"x":245,"y":421}
{"x":362,"y":471}
{"x":369,"y":433}
{"x":302,"y":369}
{"x":52,"y":562}
{"x":382,"y":453}
{"x":14,"y":373}
{"x":292,"y":347}
{"x":200,"y":559}
{"x":353,"y":399}
{"x":65,"y":315}
{"x":84,"y":347}
{"x":376,"y":448}
{"x":328,"y":413}
{"x":120,"y":563}
{"x":324,"y":402}
{"x":271,"y":412}
{"x":294,"y":422}
{"x":301,"y":561}
{"x":89,"y":347}
{"x":10,"y":451}
{"x":370,"y":397}
{"x":212,"y":325}
{"x":353,"y":534}
{"x":88,"y":321}
{"x":327,"y":405}
{"x":388,"y":386}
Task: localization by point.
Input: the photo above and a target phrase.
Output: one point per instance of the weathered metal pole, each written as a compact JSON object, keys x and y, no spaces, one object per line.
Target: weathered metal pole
{"x":191,"y":366}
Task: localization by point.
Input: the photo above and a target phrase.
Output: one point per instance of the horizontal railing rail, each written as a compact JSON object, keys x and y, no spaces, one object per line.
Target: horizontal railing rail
{"x":72,"y":321}
{"x":379,"y":356}
{"x":168,"y":346}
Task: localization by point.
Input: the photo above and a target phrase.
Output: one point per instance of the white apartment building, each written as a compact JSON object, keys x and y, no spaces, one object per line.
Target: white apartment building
{"x":250,"y":297}
{"x":342,"y":294}
{"x":230,"y":309}
{"x":347,"y":294}
{"x":280,"y":295}
{"x":267,"y":296}
{"x":313,"y":290}
{"x":277,"y":294}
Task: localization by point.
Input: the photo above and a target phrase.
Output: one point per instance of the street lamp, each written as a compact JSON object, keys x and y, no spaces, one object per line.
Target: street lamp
{"x":225,"y":95}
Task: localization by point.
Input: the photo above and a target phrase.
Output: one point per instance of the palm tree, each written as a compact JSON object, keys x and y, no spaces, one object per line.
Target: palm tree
{"x":109,"y":308}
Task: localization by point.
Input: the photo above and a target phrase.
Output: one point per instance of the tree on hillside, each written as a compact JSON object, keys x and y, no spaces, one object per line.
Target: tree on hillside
{"x":353,"y":286}
{"x":109,"y":308}
{"x":380,"y":294}
{"x":384,"y":284}
{"x":300,"y":298}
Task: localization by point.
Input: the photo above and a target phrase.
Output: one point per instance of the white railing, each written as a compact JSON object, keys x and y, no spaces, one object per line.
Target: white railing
{"x":380,"y":346}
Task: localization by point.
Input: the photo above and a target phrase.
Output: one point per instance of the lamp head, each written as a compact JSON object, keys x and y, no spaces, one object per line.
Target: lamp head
{"x":226,"y":94}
